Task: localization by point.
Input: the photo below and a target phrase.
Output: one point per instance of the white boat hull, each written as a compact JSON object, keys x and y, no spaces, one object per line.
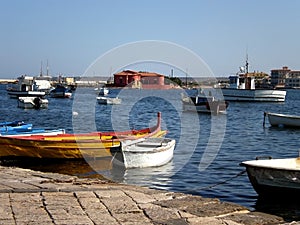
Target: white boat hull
{"x":256,"y":95}
{"x":31,"y":103}
{"x":151,"y":152}
{"x":108,"y":101}
{"x":274,"y":177}
{"x":17,"y":94}
{"x":283,"y":120}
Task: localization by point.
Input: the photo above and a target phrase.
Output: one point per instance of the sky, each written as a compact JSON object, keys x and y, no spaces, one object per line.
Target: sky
{"x":72,"y":34}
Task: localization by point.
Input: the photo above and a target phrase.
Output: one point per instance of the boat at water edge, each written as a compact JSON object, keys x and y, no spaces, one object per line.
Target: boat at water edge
{"x":143,"y":152}
{"x":274,"y":178}
{"x":282,"y":120}
{"x":72,"y":146}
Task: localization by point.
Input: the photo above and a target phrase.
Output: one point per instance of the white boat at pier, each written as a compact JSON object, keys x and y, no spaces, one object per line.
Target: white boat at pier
{"x":143,"y":152}
{"x":274,"y":178}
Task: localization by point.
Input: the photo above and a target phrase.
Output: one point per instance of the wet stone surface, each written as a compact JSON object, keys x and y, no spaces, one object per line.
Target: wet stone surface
{"x":31,"y":197}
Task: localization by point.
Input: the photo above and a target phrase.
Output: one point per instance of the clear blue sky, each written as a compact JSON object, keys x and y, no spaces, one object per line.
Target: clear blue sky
{"x":71,"y":34}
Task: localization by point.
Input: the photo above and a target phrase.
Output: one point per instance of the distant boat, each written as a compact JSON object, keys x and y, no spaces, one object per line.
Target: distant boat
{"x":60,"y":91}
{"x":32,"y":103}
{"x":109,"y":100}
{"x":103,"y":91}
{"x":203,"y":104}
{"x":282,"y":120}
{"x":242,"y":88}
{"x":275,"y":178}
{"x":144,"y":152}
{"x":25,"y":87}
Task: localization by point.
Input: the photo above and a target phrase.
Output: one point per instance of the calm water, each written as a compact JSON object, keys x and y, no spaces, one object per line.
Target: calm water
{"x":209,"y":148}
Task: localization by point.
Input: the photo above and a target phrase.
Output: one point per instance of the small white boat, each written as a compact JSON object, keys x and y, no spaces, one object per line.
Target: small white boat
{"x":282,"y":120}
{"x":144,"y":152}
{"x":32,"y":103}
{"x":274,"y":177}
{"x":109,"y":100}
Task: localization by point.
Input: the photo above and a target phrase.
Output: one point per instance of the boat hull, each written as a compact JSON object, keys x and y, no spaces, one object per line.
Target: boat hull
{"x":274,"y":177}
{"x":109,"y":101}
{"x":32,"y":103}
{"x":256,"y":95}
{"x":283,"y":120}
{"x":72,"y":146}
{"x":206,"y":105}
{"x":151,"y":152}
{"x":17,"y":94}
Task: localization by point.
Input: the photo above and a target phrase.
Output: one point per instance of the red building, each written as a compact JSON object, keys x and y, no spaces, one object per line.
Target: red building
{"x":145,"y":80}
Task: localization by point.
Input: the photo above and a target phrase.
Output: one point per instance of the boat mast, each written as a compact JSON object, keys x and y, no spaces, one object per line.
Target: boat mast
{"x":41,"y":72}
{"x":47,"y":68}
{"x":247,"y":64}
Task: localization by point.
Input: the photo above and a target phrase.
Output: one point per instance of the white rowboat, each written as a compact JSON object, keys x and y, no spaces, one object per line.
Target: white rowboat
{"x":149,"y":152}
{"x":282,"y":120}
{"x":274,"y":177}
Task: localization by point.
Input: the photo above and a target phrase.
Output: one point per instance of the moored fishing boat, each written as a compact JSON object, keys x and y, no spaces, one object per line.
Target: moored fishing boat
{"x":203,"y":103}
{"x":144,"y":152}
{"x":60,"y":91}
{"x":242,"y":88}
{"x":275,"y":178}
{"x":25,"y":87}
{"x":282,"y":120}
{"x":86,"y":145}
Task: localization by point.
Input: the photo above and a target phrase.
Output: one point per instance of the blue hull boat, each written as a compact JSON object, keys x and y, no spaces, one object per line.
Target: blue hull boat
{"x":17,"y":126}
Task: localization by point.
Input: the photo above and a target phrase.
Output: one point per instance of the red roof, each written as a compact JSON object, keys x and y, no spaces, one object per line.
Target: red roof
{"x":140,"y":73}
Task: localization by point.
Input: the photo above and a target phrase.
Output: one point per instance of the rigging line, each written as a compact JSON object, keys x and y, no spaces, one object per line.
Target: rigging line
{"x":221,"y":182}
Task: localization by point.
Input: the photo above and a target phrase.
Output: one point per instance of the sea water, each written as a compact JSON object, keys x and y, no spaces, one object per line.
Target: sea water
{"x":209,"y":148}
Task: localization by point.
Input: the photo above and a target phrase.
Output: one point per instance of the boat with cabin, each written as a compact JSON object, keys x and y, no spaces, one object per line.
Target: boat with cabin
{"x":25,"y":87}
{"x":242,"y":88}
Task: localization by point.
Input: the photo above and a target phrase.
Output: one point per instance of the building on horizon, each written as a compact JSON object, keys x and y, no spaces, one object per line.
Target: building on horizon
{"x":141,"y":79}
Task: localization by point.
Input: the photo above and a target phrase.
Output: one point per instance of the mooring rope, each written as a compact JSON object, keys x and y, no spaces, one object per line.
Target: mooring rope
{"x":221,"y":182}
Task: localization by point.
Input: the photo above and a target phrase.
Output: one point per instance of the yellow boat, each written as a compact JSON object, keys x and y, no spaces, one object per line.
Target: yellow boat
{"x":72,"y":146}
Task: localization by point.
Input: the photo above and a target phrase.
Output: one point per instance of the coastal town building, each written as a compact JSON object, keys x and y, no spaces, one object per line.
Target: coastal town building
{"x":285,"y":78}
{"x":141,"y":79}
{"x":278,"y":77}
